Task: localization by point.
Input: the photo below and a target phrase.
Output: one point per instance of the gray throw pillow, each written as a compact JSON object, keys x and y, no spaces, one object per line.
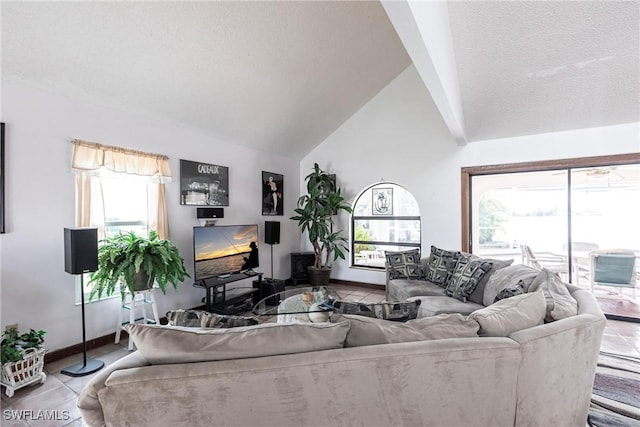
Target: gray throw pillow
{"x":204,"y":319}
{"x":370,"y":331}
{"x":560,"y":303}
{"x":478,"y":292}
{"x":465,"y":277}
{"x":404,"y":265}
{"x":176,"y":344}
{"x":441,"y":265}
{"x":505,"y":277}
{"x":398,"y":311}
{"x":510,"y":315}
{"x":511,"y":291}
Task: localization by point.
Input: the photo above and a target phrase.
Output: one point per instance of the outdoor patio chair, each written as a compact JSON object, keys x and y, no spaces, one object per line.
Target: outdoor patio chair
{"x":615,"y":268}
{"x":555,"y":263}
{"x":580,"y":254}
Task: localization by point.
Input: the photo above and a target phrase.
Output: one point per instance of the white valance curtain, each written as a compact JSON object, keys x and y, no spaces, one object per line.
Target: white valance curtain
{"x":92,"y":161}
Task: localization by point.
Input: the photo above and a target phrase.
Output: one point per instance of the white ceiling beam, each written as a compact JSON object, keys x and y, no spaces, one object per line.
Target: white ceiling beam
{"x":423,"y":28}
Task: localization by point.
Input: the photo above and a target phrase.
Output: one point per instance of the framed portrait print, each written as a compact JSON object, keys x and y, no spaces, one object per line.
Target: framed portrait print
{"x":202,"y":184}
{"x":382,"y":203}
{"x":272,"y":194}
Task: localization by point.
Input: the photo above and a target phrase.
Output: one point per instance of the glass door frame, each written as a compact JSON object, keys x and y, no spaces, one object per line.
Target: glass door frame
{"x":467,"y":173}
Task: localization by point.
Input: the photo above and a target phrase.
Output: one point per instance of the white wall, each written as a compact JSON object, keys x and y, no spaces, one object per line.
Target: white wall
{"x":399,"y":136}
{"x":35,"y":290}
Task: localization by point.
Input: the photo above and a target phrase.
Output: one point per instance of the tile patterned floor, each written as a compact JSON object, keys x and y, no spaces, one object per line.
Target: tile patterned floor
{"x":56,"y":398}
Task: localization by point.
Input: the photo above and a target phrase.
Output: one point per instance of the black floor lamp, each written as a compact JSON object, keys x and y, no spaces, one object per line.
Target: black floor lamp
{"x":81,"y":256}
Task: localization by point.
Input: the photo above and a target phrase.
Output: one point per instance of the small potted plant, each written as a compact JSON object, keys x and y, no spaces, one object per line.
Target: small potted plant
{"x":133,"y":262}
{"x":22,"y":357}
{"x":315,"y":216}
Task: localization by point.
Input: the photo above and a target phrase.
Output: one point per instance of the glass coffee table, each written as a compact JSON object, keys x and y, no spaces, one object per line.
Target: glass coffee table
{"x":303,"y":304}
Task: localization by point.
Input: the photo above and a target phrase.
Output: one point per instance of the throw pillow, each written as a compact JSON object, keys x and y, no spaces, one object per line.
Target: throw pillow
{"x":398,"y":311}
{"x":478,"y":292}
{"x":511,"y":291}
{"x":465,"y":277}
{"x":204,"y":319}
{"x":505,"y":277}
{"x":370,"y":331}
{"x":404,"y":265}
{"x":441,"y":265}
{"x":560,"y":302}
{"x":510,"y":315}
{"x":175,"y":344}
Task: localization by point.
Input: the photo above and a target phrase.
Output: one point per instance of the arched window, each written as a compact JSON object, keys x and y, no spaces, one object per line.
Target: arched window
{"x":385,"y":217}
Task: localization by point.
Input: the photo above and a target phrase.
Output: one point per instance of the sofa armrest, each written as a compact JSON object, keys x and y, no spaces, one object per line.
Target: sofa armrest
{"x":88,"y":403}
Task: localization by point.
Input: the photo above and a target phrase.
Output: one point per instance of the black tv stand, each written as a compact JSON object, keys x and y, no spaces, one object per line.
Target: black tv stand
{"x":222,"y":301}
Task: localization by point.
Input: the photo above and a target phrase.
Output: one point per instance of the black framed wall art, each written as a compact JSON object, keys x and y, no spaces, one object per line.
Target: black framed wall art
{"x":382,"y":203}
{"x":203,"y":184}
{"x":2,"y":181}
{"x":272,"y":193}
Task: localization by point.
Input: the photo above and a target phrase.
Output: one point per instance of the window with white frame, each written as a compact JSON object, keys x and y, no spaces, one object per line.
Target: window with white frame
{"x":385,"y":217}
{"x":119,"y":190}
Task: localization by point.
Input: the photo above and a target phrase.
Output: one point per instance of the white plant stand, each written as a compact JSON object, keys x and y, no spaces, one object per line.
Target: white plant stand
{"x":29,"y":370}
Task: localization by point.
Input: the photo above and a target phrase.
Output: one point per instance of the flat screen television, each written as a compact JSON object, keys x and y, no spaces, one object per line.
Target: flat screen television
{"x":224,"y":249}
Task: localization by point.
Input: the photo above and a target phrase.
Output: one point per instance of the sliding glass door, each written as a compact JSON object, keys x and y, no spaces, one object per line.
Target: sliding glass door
{"x":605,"y":207}
{"x":557,"y":216}
{"x":521,"y":215}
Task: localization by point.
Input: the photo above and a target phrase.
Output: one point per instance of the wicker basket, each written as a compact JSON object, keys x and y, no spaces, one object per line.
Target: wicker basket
{"x":16,"y":375}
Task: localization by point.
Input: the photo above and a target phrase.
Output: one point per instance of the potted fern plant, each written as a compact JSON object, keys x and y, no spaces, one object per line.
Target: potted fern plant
{"x":315,"y":213}
{"x":133,"y":262}
{"x":22,"y":357}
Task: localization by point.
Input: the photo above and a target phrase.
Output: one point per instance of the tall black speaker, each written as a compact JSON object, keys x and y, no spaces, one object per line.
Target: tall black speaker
{"x":272,"y":232}
{"x":81,"y":256}
{"x":80,"y":250}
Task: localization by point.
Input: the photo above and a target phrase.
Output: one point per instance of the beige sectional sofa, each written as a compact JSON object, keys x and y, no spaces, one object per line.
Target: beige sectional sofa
{"x":536,"y":376}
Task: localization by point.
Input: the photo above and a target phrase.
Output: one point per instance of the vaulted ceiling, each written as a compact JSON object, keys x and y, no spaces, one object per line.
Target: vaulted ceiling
{"x":282,"y":76}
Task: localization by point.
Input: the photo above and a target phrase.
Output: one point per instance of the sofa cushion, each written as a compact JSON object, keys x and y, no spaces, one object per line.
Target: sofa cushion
{"x":204,"y":319}
{"x":175,"y":344}
{"x":511,"y":315}
{"x":559,"y":302}
{"x":371,"y":331}
{"x":432,"y":306}
{"x":404,"y":265}
{"x":506,"y":277}
{"x":478,"y":293}
{"x":441,"y":265}
{"x":511,"y":291}
{"x":401,"y":289}
{"x":465,"y":277}
{"x":398,"y":311}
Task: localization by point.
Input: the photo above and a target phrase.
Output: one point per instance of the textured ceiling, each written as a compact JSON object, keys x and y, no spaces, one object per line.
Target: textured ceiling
{"x":540,"y":66}
{"x":282,"y":76}
{"x":279,"y":76}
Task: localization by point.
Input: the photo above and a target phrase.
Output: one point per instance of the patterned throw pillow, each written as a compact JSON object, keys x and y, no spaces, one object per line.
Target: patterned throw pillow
{"x":404,"y":265}
{"x":465,"y":277}
{"x":511,"y":291}
{"x":204,"y":319}
{"x":441,"y":265}
{"x":398,"y":311}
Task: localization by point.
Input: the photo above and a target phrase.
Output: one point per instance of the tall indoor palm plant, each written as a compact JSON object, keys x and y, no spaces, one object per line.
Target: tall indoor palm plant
{"x":315,"y":213}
